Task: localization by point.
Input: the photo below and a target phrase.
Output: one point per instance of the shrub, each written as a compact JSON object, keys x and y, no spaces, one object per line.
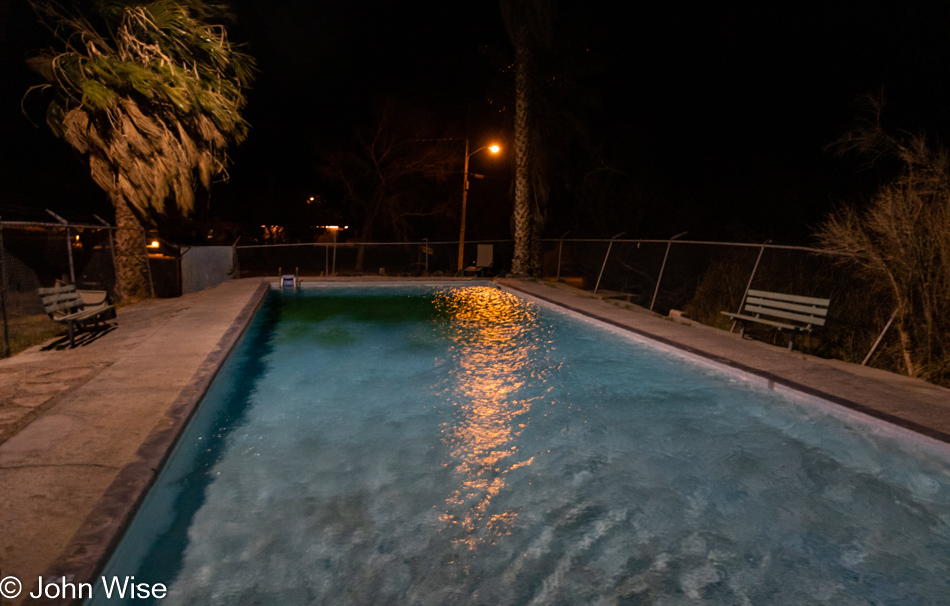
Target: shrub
{"x":901,"y":245}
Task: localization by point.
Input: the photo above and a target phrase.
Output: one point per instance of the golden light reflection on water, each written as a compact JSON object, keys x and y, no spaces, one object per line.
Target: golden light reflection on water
{"x":492,"y":354}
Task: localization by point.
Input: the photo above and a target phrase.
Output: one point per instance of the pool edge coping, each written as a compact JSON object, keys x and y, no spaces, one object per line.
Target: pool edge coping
{"x":771,"y":379}
{"x":90,"y":548}
{"x":88,"y":551}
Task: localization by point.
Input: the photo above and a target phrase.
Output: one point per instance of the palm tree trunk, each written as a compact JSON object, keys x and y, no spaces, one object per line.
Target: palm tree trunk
{"x":130,"y":259}
{"x":521,"y":264}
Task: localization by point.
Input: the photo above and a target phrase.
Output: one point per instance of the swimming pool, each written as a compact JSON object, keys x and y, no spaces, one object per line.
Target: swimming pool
{"x":440,"y":444}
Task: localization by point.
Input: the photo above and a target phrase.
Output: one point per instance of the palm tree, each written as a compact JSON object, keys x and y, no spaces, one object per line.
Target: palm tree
{"x":529,"y":24}
{"x":151,"y":94}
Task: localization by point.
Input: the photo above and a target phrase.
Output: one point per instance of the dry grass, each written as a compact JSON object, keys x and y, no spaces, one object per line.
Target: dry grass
{"x":27,"y":331}
{"x":719,"y":289}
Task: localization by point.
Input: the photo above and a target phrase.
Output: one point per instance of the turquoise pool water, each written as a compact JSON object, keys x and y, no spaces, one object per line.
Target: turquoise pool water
{"x":447,"y":445}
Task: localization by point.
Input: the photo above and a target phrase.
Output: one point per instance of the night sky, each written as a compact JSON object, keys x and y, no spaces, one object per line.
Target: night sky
{"x":712,"y":119}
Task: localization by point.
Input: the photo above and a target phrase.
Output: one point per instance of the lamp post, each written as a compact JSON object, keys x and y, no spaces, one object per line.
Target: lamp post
{"x":493,"y":149}
{"x":334,"y":229}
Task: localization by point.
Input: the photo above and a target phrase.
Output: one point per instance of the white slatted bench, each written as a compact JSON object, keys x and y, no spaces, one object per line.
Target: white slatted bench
{"x":787,"y":312}
{"x":66,"y":305}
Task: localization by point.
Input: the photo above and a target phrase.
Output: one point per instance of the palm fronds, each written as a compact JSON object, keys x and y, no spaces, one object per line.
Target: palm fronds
{"x":151,"y":92}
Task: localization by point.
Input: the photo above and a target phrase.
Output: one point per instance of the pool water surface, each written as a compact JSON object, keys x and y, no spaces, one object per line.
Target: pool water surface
{"x":460,"y":445}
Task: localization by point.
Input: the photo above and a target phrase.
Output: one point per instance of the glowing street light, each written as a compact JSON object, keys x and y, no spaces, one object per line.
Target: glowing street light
{"x":334,"y":229}
{"x":494,"y":148}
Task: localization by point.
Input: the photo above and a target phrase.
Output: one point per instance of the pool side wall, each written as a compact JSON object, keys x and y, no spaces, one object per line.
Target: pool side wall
{"x":92,"y":545}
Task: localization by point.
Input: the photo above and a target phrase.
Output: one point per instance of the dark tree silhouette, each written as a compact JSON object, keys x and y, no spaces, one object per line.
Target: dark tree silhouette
{"x":393,"y":171}
{"x":901,"y":242}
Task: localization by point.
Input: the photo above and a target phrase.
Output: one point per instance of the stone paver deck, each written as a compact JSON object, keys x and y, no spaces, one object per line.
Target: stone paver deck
{"x":82,"y":431}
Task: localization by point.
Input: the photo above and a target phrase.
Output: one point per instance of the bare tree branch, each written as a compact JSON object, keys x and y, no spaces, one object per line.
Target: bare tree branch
{"x":901,"y":243}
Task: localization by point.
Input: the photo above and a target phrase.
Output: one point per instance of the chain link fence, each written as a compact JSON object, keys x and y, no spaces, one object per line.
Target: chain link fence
{"x":700,"y":279}
{"x":33,"y":255}
{"x":703,"y":279}
{"x":362,"y":258}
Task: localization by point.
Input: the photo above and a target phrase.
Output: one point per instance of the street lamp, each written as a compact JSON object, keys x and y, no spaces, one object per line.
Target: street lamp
{"x":493,"y":149}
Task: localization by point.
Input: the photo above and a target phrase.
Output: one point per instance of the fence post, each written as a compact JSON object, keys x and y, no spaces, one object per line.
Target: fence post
{"x":235,"y":262}
{"x":148,"y":264}
{"x":596,"y":286}
{"x":560,"y":247}
{"x":69,"y":244}
{"x":69,"y":248}
{"x":660,"y":277}
{"x":663,"y":266}
{"x":334,"y":251}
{"x":867,"y":358}
{"x":3,"y":294}
{"x":115,"y":269}
{"x":749,"y":285}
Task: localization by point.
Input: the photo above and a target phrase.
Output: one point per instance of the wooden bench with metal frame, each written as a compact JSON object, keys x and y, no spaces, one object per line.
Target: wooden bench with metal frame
{"x":66,"y":305}
{"x":808,"y":312}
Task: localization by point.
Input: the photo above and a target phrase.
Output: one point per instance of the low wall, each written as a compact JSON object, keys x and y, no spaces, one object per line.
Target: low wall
{"x":204,"y":266}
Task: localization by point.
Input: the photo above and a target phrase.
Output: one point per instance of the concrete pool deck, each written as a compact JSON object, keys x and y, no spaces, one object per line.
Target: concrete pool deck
{"x":82,"y":431}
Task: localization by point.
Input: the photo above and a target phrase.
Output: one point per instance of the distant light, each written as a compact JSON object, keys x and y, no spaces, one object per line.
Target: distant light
{"x":154,"y":244}
{"x":310,"y":200}
{"x":77,"y":238}
{"x":494,"y":149}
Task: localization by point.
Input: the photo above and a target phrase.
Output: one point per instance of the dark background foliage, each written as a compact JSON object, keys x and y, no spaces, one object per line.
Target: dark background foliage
{"x":658,"y":118}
